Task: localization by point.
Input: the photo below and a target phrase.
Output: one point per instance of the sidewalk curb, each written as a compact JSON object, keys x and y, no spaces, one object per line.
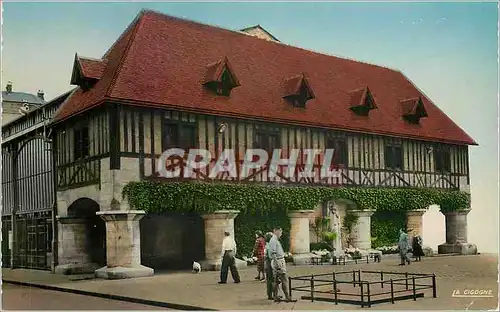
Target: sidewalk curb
{"x":161,"y":304}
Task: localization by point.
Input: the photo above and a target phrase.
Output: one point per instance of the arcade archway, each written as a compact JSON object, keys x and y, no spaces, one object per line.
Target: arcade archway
{"x":95,"y":228}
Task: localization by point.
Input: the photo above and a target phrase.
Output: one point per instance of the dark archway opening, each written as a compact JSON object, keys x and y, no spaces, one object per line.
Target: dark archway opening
{"x":172,"y":240}
{"x":95,"y":228}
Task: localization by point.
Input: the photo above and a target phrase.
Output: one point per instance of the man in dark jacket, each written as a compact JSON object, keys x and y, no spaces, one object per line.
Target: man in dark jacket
{"x":268,"y":267}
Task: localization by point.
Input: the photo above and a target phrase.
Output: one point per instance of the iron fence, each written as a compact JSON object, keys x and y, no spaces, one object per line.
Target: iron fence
{"x":324,"y":287}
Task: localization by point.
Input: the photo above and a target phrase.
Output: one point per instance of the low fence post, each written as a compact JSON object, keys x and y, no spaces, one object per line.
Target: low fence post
{"x":381,"y":279}
{"x":362,"y":295}
{"x":406,"y":277}
{"x":344,"y":259}
{"x":353,"y":278}
{"x":434,"y":292}
{"x":334,"y":289}
{"x":392,"y":292}
{"x":359,"y":275}
{"x":312,"y":288}
{"x":368,"y":259}
{"x":414,"y":290}
{"x":290,"y":286}
{"x":368,"y":294}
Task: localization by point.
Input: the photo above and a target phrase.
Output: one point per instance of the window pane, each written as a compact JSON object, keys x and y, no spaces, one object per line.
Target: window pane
{"x":438,"y":160}
{"x":344,"y":155}
{"x":85,"y":143}
{"x":187,"y":137}
{"x":446,"y":161}
{"x":330,"y":143}
{"x":170,"y":136}
{"x":388,"y":153}
{"x":398,"y":158}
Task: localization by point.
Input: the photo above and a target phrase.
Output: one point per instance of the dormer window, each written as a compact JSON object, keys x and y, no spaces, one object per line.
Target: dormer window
{"x":220,"y":78}
{"x":413,"y":110}
{"x":298,"y":91}
{"x":87,"y":72}
{"x":362,"y":101}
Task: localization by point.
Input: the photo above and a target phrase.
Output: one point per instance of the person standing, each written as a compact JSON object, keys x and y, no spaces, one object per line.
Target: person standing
{"x":258,"y":251}
{"x":403,"y":245}
{"x":279,"y":265}
{"x":268,"y":267}
{"x":418,"y":251}
{"x":228,"y":259}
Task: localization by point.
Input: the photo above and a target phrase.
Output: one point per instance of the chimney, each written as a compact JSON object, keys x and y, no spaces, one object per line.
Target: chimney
{"x":40,"y":94}
{"x":9,"y":87}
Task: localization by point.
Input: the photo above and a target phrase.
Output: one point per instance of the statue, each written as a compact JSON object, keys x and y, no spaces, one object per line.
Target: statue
{"x":336,"y":227}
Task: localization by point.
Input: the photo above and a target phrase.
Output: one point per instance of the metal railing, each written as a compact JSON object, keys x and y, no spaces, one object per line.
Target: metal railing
{"x":343,"y":260}
{"x":366,"y":295}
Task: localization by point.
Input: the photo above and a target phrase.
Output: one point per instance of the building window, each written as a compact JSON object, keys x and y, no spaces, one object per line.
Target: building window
{"x":442,"y":159}
{"x":393,"y":157}
{"x":267,"y":141}
{"x":81,"y":140}
{"x":179,"y":135}
{"x":225,"y":86}
{"x":340,"y":155}
{"x":298,"y":91}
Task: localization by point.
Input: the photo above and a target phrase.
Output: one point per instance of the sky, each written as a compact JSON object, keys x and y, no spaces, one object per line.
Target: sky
{"x":449,"y":50}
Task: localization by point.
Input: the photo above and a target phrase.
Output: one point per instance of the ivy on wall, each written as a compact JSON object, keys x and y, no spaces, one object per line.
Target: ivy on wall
{"x":205,"y":197}
{"x":385,"y":227}
{"x":262,"y":206}
{"x":248,"y":222}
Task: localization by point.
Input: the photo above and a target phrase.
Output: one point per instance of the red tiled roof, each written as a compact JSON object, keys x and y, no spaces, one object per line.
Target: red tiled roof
{"x":161,"y":61}
{"x":92,"y":68}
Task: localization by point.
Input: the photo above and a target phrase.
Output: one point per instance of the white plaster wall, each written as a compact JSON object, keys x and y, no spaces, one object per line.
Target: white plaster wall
{"x":434,"y":231}
{"x":113,"y":181}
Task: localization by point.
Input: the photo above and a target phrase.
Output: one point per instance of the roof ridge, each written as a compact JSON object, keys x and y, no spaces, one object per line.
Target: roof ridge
{"x":186,"y":20}
{"x":91,"y":58}
{"x":131,"y":25}
{"x":137,"y":24}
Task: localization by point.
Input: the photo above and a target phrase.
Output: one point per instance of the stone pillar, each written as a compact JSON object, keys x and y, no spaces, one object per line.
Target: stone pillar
{"x":414,"y":223}
{"x":73,"y":250}
{"x":456,"y":234}
{"x":123,"y":245}
{"x":361,"y":230}
{"x":216,"y":223}
{"x":299,"y":236}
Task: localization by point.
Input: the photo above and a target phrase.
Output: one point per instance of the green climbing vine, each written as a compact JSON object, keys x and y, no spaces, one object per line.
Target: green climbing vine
{"x":385,"y":227}
{"x":205,"y":197}
{"x":350,"y":220}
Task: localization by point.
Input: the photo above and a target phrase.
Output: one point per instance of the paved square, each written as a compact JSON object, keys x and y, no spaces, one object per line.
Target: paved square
{"x":453,"y":273}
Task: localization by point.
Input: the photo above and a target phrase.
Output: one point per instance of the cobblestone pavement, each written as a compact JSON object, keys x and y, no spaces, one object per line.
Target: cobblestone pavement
{"x":453,"y":273}
{"x":30,"y":298}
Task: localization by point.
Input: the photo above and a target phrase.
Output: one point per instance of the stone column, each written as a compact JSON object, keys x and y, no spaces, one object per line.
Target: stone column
{"x":456,"y":234}
{"x":414,"y":223}
{"x":73,"y":250}
{"x":123,"y":245}
{"x":299,"y":236}
{"x":216,"y":223}
{"x":361,"y":230}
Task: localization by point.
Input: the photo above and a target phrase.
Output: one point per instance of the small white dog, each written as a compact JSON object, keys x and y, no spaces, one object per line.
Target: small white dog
{"x":196,"y":267}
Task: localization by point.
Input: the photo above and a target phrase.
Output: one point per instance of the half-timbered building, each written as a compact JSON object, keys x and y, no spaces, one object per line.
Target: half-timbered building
{"x":168,"y":82}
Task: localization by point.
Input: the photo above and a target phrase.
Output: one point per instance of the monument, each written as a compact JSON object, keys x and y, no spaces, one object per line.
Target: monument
{"x":336,"y":227}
